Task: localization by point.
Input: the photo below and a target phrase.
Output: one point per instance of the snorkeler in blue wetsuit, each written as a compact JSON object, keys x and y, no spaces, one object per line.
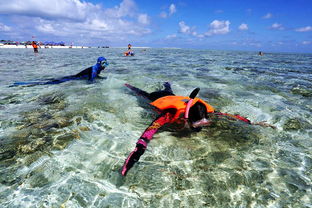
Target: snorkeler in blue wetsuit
{"x":89,"y":73}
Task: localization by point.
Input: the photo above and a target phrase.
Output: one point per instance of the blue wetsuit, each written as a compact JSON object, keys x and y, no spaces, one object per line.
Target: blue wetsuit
{"x":89,"y":73}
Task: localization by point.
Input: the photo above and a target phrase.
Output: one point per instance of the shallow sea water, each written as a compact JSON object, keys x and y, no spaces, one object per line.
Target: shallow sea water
{"x":63,"y":145}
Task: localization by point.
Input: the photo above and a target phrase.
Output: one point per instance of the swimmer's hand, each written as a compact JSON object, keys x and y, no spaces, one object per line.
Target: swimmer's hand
{"x":132,"y":158}
{"x":264,"y":124}
{"x":99,"y":77}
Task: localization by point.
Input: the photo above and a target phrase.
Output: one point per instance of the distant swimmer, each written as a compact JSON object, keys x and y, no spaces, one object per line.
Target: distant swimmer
{"x":89,"y":73}
{"x":129,"y":52}
{"x":35,"y":46}
{"x":260,"y":53}
{"x":190,"y":112}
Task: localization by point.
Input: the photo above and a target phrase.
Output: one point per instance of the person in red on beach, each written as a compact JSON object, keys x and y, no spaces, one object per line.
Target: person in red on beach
{"x":190,"y":111}
{"x":35,"y":46}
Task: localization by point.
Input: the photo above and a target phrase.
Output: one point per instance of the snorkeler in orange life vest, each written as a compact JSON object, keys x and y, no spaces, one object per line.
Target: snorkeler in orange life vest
{"x":190,"y":111}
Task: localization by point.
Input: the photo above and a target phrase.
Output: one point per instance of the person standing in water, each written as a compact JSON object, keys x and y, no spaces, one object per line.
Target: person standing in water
{"x":129,"y":52}
{"x":35,"y":46}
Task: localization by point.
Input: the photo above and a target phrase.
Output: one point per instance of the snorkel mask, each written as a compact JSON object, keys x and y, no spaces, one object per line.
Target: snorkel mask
{"x":102,"y":61}
{"x":198,"y":124}
{"x":189,"y":103}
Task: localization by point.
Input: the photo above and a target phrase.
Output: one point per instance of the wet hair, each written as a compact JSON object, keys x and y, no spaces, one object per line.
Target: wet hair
{"x":197,"y":112}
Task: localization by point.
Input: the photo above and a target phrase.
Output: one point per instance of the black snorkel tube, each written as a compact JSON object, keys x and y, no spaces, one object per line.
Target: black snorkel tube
{"x":188,"y":106}
{"x":189,"y":103}
{"x":194,"y":93}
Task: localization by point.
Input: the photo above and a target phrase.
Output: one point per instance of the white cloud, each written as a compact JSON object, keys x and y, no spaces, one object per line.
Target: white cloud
{"x":99,"y":24}
{"x":143,"y":19}
{"x":200,"y":35}
{"x":248,"y":43}
{"x":67,"y":9}
{"x":277,"y":26}
{"x":73,"y":18}
{"x":4,"y":27}
{"x":243,"y":26}
{"x":172,"y":9}
{"x":171,"y":36}
{"x":218,"y":27}
{"x":267,"y":16}
{"x":184,"y":28}
{"x":306,"y":42}
{"x":46,"y":28}
{"x":304,"y":29}
{"x":163,"y":15}
{"x":125,"y":8}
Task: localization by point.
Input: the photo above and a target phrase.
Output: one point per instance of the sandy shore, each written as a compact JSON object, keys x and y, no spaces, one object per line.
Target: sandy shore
{"x":41,"y":47}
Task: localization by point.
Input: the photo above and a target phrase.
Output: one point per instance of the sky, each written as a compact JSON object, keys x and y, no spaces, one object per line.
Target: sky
{"x":265,"y":25}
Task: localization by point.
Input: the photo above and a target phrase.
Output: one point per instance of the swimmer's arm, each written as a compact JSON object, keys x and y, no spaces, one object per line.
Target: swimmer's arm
{"x":143,"y":141}
{"x":98,"y":74}
{"x":244,"y":119}
{"x":92,"y":75}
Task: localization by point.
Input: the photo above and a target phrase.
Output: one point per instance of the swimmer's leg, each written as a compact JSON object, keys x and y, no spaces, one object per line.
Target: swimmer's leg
{"x":64,"y":79}
{"x":154,"y":95}
{"x":25,"y":83}
{"x":138,"y":91}
{"x":46,"y":82}
{"x":162,"y":93}
{"x":158,"y":94}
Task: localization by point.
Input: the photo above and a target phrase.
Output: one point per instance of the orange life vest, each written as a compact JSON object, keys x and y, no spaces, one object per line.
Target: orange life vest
{"x":179,"y":103}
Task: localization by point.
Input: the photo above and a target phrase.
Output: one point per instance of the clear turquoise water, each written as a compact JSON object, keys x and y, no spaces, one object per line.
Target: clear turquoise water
{"x":63,"y":145}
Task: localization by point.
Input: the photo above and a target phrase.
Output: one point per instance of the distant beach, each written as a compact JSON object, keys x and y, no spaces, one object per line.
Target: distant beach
{"x":41,"y":47}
